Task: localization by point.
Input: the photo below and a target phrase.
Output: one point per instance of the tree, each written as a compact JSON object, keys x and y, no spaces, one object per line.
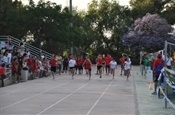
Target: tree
{"x":110,"y":20}
{"x":164,"y":8}
{"x":12,"y":18}
{"x":148,"y":33}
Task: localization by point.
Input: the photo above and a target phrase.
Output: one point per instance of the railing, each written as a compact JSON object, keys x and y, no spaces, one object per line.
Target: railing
{"x":169,"y":79}
{"x":33,"y":50}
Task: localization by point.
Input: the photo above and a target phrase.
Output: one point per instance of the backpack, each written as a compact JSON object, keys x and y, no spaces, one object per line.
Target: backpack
{"x":159,"y":67}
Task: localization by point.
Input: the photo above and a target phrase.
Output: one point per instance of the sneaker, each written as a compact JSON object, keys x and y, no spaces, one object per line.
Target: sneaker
{"x":53,"y":78}
{"x":154,"y":93}
{"x":120,"y":74}
{"x":100,"y":77}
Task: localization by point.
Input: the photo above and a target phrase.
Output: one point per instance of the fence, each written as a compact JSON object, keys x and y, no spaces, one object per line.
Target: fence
{"x":34,"y":50}
{"x":168,"y":91}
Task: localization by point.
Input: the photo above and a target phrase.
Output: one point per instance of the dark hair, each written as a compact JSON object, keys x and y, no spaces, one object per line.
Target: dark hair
{"x":3,"y":65}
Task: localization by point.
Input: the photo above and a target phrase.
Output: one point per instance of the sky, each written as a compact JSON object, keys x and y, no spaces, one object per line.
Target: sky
{"x":80,"y":4}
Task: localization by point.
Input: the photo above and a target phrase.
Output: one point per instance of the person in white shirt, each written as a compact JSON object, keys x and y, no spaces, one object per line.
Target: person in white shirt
{"x":127,"y":67}
{"x":72,"y":64}
{"x":113,"y":66}
{"x":169,"y":61}
{"x":4,"y":58}
{"x":9,"y":57}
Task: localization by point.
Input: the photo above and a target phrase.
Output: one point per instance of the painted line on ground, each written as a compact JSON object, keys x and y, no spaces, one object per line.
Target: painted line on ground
{"x":27,"y":87}
{"x":99,"y":98}
{"x":33,"y":96}
{"x":64,"y":98}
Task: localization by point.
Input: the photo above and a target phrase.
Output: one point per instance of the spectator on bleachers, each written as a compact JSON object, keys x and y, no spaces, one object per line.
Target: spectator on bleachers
{"x":20,"y":63}
{"x":15,"y":70}
{"x":3,"y":50}
{"x":9,"y":57}
{"x":2,"y":74}
{"x":4,"y":58}
{"x":28,"y":52}
{"x":34,"y":68}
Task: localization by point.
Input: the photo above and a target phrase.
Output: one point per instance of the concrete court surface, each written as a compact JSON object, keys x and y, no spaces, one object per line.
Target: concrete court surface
{"x":80,"y":96}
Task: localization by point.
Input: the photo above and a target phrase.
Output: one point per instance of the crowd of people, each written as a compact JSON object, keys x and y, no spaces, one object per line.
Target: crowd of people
{"x":17,"y":58}
{"x":155,"y":63}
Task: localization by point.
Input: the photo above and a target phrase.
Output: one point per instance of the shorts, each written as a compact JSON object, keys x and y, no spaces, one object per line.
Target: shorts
{"x":59,"y":66}
{"x":53,"y":69}
{"x":99,"y":67}
{"x":122,"y":66}
{"x":107,"y":66}
{"x":88,"y":69}
{"x":71,"y":67}
{"x":80,"y":67}
{"x":155,"y":78}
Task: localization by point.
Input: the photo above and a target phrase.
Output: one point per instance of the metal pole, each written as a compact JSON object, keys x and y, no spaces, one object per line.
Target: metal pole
{"x":166,"y":85}
{"x":72,"y":48}
{"x":70,"y":5}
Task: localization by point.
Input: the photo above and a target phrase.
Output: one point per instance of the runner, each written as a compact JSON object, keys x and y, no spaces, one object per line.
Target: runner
{"x":122,"y":62}
{"x":99,"y":65}
{"x":80,"y":61}
{"x":72,"y":64}
{"x":127,"y":67}
{"x":53,"y":64}
{"x":113,"y":66}
{"x":87,"y":64}
{"x":108,"y":59}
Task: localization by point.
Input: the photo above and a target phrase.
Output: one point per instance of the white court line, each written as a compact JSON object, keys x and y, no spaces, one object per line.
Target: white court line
{"x":99,"y":98}
{"x":63,"y":98}
{"x":25,"y":88}
{"x":33,"y":96}
{"x":20,"y":90}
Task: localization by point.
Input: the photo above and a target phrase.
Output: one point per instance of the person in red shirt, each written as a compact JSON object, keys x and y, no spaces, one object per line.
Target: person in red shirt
{"x":87,"y":64}
{"x":15,"y":70}
{"x":2,"y":74}
{"x":108,"y":59}
{"x":80,"y":61}
{"x":53,"y":64}
{"x":100,"y":64}
{"x":122,"y":63}
{"x":157,"y":62}
{"x":29,"y":63}
{"x":34,"y":68}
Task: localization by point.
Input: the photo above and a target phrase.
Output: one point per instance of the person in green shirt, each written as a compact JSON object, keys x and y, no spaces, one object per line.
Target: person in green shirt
{"x":147,"y":64}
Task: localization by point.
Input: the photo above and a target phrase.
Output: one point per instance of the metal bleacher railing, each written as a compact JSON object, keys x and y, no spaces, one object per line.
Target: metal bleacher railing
{"x":33,"y":50}
{"x":168,"y":91}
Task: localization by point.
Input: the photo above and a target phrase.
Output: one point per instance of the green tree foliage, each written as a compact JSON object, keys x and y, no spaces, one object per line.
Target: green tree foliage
{"x":11,"y":18}
{"x":110,"y":20}
{"x":164,"y":8}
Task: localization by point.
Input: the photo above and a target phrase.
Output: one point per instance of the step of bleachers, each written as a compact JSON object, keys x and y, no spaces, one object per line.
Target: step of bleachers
{"x":33,"y":50}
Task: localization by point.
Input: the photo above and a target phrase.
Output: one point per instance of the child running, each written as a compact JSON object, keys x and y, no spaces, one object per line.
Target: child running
{"x":87,"y":64}
{"x":72,"y":64}
{"x":127,"y":67}
{"x":113,"y":66}
{"x":100,"y":64}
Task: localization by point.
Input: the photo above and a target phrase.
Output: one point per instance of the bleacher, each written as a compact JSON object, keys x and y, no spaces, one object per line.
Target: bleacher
{"x":34,"y":51}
